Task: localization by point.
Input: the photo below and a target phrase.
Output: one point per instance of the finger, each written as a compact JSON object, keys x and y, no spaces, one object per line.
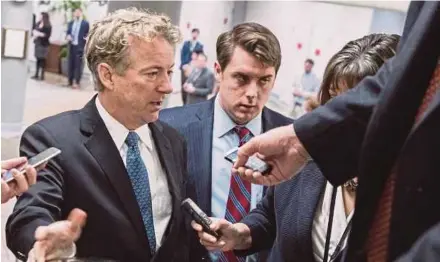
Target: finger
{"x":245,"y":151}
{"x":21,"y":182}
{"x":41,"y":233}
{"x":31,"y":175}
{"x":78,"y":218}
{"x":39,"y":251}
{"x":14,"y":162}
{"x":211,"y":246}
{"x":248,"y":173}
{"x":196,"y":226}
{"x":207,"y":237}
{"x":6,"y":191}
{"x":42,"y":166}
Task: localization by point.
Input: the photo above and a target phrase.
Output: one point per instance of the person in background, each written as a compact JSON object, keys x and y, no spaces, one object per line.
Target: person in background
{"x":188,"y":48}
{"x":248,"y":59}
{"x":77,"y":30}
{"x":297,"y":213}
{"x":200,"y":82}
{"x":41,"y":34}
{"x":21,"y":182}
{"x":305,"y":86}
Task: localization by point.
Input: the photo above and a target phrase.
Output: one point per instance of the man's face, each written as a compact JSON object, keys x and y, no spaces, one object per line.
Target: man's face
{"x":308,"y":67}
{"x":245,"y":85}
{"x":201,"y":61}
{"x":141,"y":90}
{"x":77,"y":13}
{"x":195,"y":35}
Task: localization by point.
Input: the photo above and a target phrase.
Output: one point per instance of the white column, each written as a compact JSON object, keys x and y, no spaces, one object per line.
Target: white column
{"x":17,"y":15}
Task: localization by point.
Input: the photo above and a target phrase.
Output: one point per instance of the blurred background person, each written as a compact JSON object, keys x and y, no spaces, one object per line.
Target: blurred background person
{"x":189,"y":46}
{"x":295,"y":217}
{"x":306,"y":85}
{"x":200,"y":82}
{"x":21,"y":182}
{"x":41,"y":34}
{"x":77,"y":30}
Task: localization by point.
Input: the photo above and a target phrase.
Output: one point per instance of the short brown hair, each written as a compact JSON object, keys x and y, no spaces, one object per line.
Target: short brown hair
{"x":107,"y":41}
{"x":357,"y":59}
{"x":255,"y":39}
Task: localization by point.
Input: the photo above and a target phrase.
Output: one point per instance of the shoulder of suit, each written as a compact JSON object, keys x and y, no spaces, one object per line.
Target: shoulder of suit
{"x":178,"y":116}
{"x":61,"y":122}
{"x":280,"y":118}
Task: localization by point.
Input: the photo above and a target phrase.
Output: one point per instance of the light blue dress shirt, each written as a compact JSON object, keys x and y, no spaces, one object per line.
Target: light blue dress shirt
{"x":76,"y":26}
{"x":224,"y":139}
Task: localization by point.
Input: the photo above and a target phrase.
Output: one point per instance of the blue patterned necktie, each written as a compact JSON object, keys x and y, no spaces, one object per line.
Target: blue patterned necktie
{"x":139,"y":181}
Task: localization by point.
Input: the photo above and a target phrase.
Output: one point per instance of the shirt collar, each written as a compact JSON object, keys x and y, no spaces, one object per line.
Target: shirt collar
{"x":119,"y":132}
{"x":223,"y":123}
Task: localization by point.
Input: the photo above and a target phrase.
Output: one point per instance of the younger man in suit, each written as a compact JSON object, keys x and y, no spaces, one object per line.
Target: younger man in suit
{"x":77,"y":30}
{"x":249,"y":57}
{"x":119,"y":165}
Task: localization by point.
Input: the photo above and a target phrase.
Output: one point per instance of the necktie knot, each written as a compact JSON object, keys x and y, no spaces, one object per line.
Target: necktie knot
{"x":132,"y":139}
{"x":243,"y":133}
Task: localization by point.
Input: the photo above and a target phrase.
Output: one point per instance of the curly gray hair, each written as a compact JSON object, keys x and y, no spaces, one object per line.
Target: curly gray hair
{"x":107,"y":41}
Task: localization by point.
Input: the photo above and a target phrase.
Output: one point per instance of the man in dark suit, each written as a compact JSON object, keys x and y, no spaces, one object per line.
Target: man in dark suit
{"x":386,"y":130}
{"x":77,"y":30}
{"x":189,"y":46}
{"x":237,"y":113}
{"x":119,"y":165}
{"x":200,"y":82}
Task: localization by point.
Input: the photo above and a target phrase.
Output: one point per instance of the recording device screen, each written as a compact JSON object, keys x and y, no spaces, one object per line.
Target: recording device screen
{"x":35,"y":161}
{"x":253,"y":162}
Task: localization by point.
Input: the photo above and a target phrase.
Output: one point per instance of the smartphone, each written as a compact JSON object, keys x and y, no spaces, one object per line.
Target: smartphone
{"x":199,"y":216}
{"x":253,"y":162}
{"x":35,"y":161}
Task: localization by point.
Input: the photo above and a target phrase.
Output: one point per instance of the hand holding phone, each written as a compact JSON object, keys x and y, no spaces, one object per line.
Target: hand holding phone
{"x":199,"y":216}
{"x":253,"y":162}
{"x":34,"y":162}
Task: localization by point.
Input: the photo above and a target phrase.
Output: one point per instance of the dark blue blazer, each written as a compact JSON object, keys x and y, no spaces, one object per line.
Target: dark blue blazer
{"x":185,"y":53}
{"x":369,"y":131}
{"x":283,"y":219}
{"x":83,"y":31}
{"x":195,"y":123}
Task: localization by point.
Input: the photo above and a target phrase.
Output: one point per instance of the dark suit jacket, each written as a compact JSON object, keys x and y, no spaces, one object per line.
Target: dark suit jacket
{"x":283,"y":219}
{"x":90,"y":175}
{"x":185,"y":53}
{"x":203,"y":84}
{"x":83,"y":31}
{"x":195,"y":123}
{"x":346,"y":137}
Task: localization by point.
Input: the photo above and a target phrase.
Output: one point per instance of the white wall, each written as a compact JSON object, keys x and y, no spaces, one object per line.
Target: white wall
{"x":315,"y":25}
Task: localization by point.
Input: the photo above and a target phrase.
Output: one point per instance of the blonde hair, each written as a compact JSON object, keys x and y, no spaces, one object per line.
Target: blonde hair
{"x":107,"y":41}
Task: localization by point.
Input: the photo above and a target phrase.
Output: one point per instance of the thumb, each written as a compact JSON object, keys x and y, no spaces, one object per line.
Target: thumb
{"x":13,"y":163}
{"x":245,"y":151}
{"x":77,"y":219}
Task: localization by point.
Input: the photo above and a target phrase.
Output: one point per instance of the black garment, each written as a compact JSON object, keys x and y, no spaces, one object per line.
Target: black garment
{"x":369,"y":131}
{"x":90,"y":174}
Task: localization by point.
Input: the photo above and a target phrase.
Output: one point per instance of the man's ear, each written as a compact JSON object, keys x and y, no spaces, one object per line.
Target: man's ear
{"x":106,"y":75}
{"x":218,"y":71}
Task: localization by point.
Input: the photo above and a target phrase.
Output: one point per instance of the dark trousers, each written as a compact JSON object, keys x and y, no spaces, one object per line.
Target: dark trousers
{"x":183,"y":80}
{"x":75,"y":64}
{"x":41,"y":64}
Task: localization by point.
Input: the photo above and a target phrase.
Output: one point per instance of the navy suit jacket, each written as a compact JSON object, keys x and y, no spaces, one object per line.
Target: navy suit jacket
{"x":369,"y":131}
{"x":195,"y":123}
{"x":283,"y":220}
{"x":83,"y":31}
{"x":185,"y":53}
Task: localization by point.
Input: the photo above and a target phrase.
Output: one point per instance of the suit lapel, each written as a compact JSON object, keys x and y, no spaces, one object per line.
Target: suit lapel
{"x":103,"y":149}
{"x":163,"y":146}
{"x":200,"y":154}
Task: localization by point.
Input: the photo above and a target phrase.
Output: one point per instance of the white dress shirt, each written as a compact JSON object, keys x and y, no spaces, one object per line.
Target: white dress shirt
{"x":224,"y":139}
{"x":320,"y":223}
{"x":76,"y":26}
{"x":160,"y":195}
